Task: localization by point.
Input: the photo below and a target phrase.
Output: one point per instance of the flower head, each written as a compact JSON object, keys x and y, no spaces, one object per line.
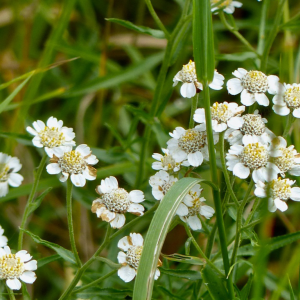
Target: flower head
{"x":227,"y":6}
{"x":253,"y":85}
{"x":192,"y":206}
{"x":114,"y":202}
{"x":161,"y":182}
{"x":191,"y":85}
{"x":75,"y":163}
{"x":223,"y":115}
{"x":9,"y":166}
{"x":278,"y":192}
{"x":3,"y":239}
{"x":51,"y":136}
{"x":132,"y":246}
{"x":287,"y":99}
{"x":16,"y":266}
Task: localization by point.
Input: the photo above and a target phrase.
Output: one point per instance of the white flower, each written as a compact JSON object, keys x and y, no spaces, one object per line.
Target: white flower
{"x":75,"y":163}
{"x":161,"y":182}
{"x":192,"y":206}
{"x":190,"y":83}
{"x":285,"y":158}
{"x":114,"y":202}
{"x":227,"y":6}
{"x":279,"y":191}
{"x":253,"y":156}
{"x":252,"y":85}
{"x":249,"y":124}
{"x":223,"y":115}
{"x":51,"y":136}
{"x":16,"y":266}
{"x":166,"y":162}
{"x":132,"y":246}
{"x":190,"y":145}
{"x":9,"y":166}
{"x":287,"y":99}
{"x":3,"y":239}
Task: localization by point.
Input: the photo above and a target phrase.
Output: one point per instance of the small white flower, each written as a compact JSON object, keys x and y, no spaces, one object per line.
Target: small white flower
{"x":279,"y":191}
{"x":114,"y":202}
{"x":253,"y":85}
{"x":192,"y":206}
{"x":227,"y":6}
{"x":161,"y":182}
{"x":166,"y":162}
{"x":223,"y":115}
{"x":132,"y":246}
{"x":3,"y":239}
{"x":253,"y":156}
{"x":190,"y":83}
{"x":16,"y":266}
{"x":190,"y":145}
{"x":75,"y":163}
{"x":285,"y":158}
{"x":9,"y":166}
{"x":287,"y":99}
{"x":249,"y":125}
{"x":51,"y":136}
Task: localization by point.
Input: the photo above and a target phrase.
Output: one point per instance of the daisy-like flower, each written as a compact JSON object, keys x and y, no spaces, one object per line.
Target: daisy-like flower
{"x":51,"y":136}
{"x":161,"y":182}
{"x":132,"y":246}
{"x":287,"y":99}
{"x":166,"y":162}
{"x":16,"y":266}
{"x":285,"y":158}
{"x":114,"y":202}
{"x":192,"y":206}
{"x":253,"y":85}
{"x":74,"y":163}
{"x":279,"y":191}
{"x":191,"y":85}
{"x":3,"y":239}
{"x":9,"y":166}
{"x":223,"y":115}
{"x":252,"y":125}
{"x":190,"y":145}
{"x":252,"y":157}
{"x":227,"y":6}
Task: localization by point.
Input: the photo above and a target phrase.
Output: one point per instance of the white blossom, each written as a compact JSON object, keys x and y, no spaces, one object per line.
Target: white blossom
{"x":3,"y":238}
{"x":227,"y":6}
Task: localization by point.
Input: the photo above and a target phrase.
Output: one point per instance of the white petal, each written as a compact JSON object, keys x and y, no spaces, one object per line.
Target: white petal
{"x":15,"y":179}
{"x":53,"y":168}
{"x":24,"y":255}
{"x":262,"y":99}
{"x":296,"y":113}
{"x":157,"y":274}
{"x":31,"y":265}
{"x":78,"y":180}
{"x":194,"y":223}
{"x":271,"y":205}
{"x":247,"y":98}
{"x":137,"y":239}
{"x":136,"y":196}
{"x":182,"y":210}
{"x":136,"y":209}
{"x":260,"y":192}
{"x":13,"y":284}
{"x":31,"y":130}
{"x":281,"y":110}
{"x":234,"y":86}
{"x":281,"y":205}
{"x":295,"y":195}
{"x":241,"y":171}
{"x":118,"y":221}
{"x":188,"y":90}
{"x":274,"y":85}
{"x":28,"y":277}
{"x":206,"y":211}
{"x":126,"y":273}
{"x":195,"y":159}
{"x":235,"y":122}
{"x":122,"y":257}
{"x":124,"y":243}
{"x":83,"y":149}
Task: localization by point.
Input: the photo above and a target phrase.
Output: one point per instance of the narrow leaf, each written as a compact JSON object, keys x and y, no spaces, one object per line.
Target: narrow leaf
{"x":292,"y":295}
{"x":187,"y":274}
{"x":283,"y":240}
{"x":247,"y":288}
{"x":46,"y":260}
{"x":37,"y":202}
{"x":193,"y":260}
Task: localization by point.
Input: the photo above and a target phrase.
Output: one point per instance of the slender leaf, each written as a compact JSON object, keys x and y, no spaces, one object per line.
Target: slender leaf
{"x":169,"y":294}
{"x":187,"y":274}
{"x":37,"y":202}
{"x":292,"y":295}
{"x":46,"y":260}
{"x":281,"y":241}
{"x":193,"y":260}
{"x":247,"y":288}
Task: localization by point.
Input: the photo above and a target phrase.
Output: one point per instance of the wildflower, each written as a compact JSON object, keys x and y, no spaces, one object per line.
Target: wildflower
{"x":223,"y":115}
{"x":9,"y":166}
{"x":75,"y":163}
{"x":287,"y":99}
{"x":253,"y":85}
{"x":114,"y":202}
{"x":132,"y":246}
{"x":278,"y":192}
{"x":192,"y":206}
{"x":227,"y":6}
{"x":16,"y":266}
{"x":51,"y":136}
{"x":191,"y":85}
{"x":249,"y":125}
{"x":161,"y":182}
{"x":253,"y":156}
{"x":190,"y":145}
{"x":3,"y":239}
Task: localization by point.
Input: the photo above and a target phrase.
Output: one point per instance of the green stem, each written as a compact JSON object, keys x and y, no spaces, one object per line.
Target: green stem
{"x":255,"y":205}
{"x":193,"y":109}
{"x":262,"y":26}
{"x":70,"y":221}
{"x":82,"y":288}
{"x":10,"y":293}
{"x":288,"y":125}
{"x":26,"y":214}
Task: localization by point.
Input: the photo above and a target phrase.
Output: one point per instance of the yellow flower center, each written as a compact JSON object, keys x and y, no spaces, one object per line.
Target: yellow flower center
{"x":286,"y":161}
{"x":292,"y":97}
{"x":134,"y":255}
{"x":11,"y":266}
{"x":225,"y":3}
{"x":72,"y":162}
{"x":4,"y":172}
{"x":220,"y":112}
{"x":117,"y":200}
{"x":51,"y":137}
{"x":192,"y":141}
{"x":255,"y":82}
{"x":188,"y":72}
{"x":254,"y":156}
{"x":280,"y":188}
{"x":253,"y":125}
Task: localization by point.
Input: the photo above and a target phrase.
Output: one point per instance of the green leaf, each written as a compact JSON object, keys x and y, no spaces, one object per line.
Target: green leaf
{"x":37,"y":202}
{"x":156,"y":235}
{"x":141,"y":29}
{"x":203,"y":41}
{"x":25,"y":293}
{"x":20,"y":138}
{"x":247,"y":288}
{"x":193,"y":260}
{"x":281,"y":241}
{"x":168,"y":293}
{"x":112,"y":293}
{"x":292,"y":295}
{"x":62,"y":252}
{"x":291,"y":25}
{"x":187,"y":274}
{"x":46,"y":260}
{"x":214,"y":284}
